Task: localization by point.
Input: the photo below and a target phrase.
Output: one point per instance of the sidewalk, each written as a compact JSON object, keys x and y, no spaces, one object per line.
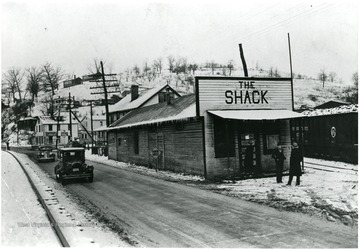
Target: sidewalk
{"x":23,"y":220}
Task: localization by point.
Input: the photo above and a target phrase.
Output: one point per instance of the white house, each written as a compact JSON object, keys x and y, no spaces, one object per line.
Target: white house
{"x":46,"y":128}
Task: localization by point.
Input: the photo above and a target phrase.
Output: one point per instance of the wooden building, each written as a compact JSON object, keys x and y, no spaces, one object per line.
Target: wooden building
{"x":228,"y":128}
{"x":46,"y":130}
{"x":137,"y":99}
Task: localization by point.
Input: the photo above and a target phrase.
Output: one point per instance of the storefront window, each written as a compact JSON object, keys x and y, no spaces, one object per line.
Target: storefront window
{"x":224,"y":138}
{"x":271,"y":136}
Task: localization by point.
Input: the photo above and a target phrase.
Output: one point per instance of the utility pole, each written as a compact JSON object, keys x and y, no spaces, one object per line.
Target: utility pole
{"x":291,"y":73}
{"x":58,"y":126}
{"x":243,"y":60}
{"x":106,"y":96}
{"x":70,"y":116}
{"x":91,"y":120}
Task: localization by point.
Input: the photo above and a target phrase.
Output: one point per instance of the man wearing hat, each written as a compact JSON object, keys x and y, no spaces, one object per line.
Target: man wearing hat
{"x":295,"y":164}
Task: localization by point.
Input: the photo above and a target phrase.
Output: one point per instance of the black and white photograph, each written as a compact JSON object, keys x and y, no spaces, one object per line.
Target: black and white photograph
{"x":173,"y":124}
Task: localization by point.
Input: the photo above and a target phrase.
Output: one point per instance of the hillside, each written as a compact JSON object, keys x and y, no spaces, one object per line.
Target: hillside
{"x":308,"y":92}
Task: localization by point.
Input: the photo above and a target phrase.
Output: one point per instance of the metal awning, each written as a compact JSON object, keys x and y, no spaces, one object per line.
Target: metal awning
{"x":256,"y":114}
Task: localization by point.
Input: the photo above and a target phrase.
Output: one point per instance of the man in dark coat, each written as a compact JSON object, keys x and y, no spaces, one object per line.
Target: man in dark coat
{"x":295,"y":164}
{"x":279,"y":158}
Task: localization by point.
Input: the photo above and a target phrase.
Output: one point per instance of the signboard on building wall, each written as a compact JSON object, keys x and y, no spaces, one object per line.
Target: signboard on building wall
{"x":51,"y":133}
{"x":242,"y":93}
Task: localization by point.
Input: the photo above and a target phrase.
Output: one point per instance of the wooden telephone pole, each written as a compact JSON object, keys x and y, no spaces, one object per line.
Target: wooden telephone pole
{"x":243,"y":60}
{"x":105,"y":90}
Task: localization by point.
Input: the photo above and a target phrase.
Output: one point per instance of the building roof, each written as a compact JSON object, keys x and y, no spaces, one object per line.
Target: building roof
{"x":331,"y":111}
{"x":49,"y":120}
{"x":126,"y":104}
{"x":180,"y":108}
{"x":331,"y":104}
{"x":101,"y":128}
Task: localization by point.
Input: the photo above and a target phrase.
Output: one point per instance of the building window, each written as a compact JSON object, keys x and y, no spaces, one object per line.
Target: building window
{"x":101,"y":123}
{"x":271,"y":136}
{"x":162,"y":97}
{"x":69,"y":127}
{"x":136,"y":142}
{"x":224,"y":138}
{"x":50,"y":139}
{"x":50,"y":127}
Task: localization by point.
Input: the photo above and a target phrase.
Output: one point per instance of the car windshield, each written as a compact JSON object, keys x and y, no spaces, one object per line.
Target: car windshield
{"x":70,"y":156}
{"x":45,"y":148}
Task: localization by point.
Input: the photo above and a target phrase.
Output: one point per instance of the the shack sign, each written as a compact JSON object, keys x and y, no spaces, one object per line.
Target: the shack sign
{"x":240,"y":93}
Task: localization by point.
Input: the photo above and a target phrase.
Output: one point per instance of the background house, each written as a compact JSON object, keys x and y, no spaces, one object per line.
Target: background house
{"x":46,"y":130}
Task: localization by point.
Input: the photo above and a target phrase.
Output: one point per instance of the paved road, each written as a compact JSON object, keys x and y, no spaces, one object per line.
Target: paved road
{"x":157,"y":213}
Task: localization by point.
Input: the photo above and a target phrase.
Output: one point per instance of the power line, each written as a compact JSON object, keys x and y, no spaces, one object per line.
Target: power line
{"x":288,"y":20}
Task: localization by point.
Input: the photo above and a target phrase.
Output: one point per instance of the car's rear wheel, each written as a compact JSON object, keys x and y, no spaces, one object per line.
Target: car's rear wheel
{"x":91,"y":178}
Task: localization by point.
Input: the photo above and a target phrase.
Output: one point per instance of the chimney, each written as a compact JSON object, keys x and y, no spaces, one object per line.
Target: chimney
{"x":134,"y":92}
{"x":168,"y":97}
{"x":74,"y":76}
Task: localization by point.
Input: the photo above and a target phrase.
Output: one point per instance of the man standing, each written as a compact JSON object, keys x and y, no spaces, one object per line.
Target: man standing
{"x":295,"y":164}
{"x":279,"y":158}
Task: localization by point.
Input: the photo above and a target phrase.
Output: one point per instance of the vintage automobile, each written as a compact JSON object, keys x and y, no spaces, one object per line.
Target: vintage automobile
{"x":45,"y":153}
{"x":72,"y":165}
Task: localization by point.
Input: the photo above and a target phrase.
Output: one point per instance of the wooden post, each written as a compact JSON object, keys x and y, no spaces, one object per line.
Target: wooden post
{"x":91,"y":120}
{"x":291,"y":74}
{"x":243,"y":60}
{"x":58,"y":126}
{"x":70,"y":116}
{"x":105,"y":93}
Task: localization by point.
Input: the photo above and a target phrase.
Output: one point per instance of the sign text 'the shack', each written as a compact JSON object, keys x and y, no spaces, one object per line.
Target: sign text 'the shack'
{"x":249,"y":96}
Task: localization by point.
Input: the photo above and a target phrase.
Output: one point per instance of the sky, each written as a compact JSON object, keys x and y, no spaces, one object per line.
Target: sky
{"x":71,"y":34}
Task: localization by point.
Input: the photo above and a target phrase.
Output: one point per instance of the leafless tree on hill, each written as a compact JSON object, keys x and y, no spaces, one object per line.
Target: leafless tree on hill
{"x":323,"y":76}
{"x":332,"y":76}
{"x":34,"y":78}
{"x":95,"y":67}
{"x":158,"y":63}
{"x":12,"y":80}
{"x":171,"y":63}
{"x":271,"y":72}
{"x":230,"y":66}
{"x":212,"y":66}
{"x":355,"y":79}
{"x":52,"y":76}
{"x":276,"y":73}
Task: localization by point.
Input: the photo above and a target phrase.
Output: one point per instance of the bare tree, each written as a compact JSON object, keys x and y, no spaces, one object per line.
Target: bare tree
{"x":136,"y":70}
{"x":271,"y":72}
{"x":276,"y":73}
{"x":95,"y":68}
{"x":12,"y":80}
{"x":323,"y":76}
{"x":332,"y":76}
{"x":52,"y":76}
{"x":230,"y":66}
{"x":158,"y":64}
{"x":48,"y":106}
{"x":146,"y":68}
{"x":212,"y":66}
{"x":355,"y":79}
{"x":171,"y":62}
{"x":34,"y":78}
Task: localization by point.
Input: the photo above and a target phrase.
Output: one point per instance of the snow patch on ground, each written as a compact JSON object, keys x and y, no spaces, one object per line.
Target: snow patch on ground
{"x":22,"y":217}
{"x":79,"y":228}
{"x":331,"y":195}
